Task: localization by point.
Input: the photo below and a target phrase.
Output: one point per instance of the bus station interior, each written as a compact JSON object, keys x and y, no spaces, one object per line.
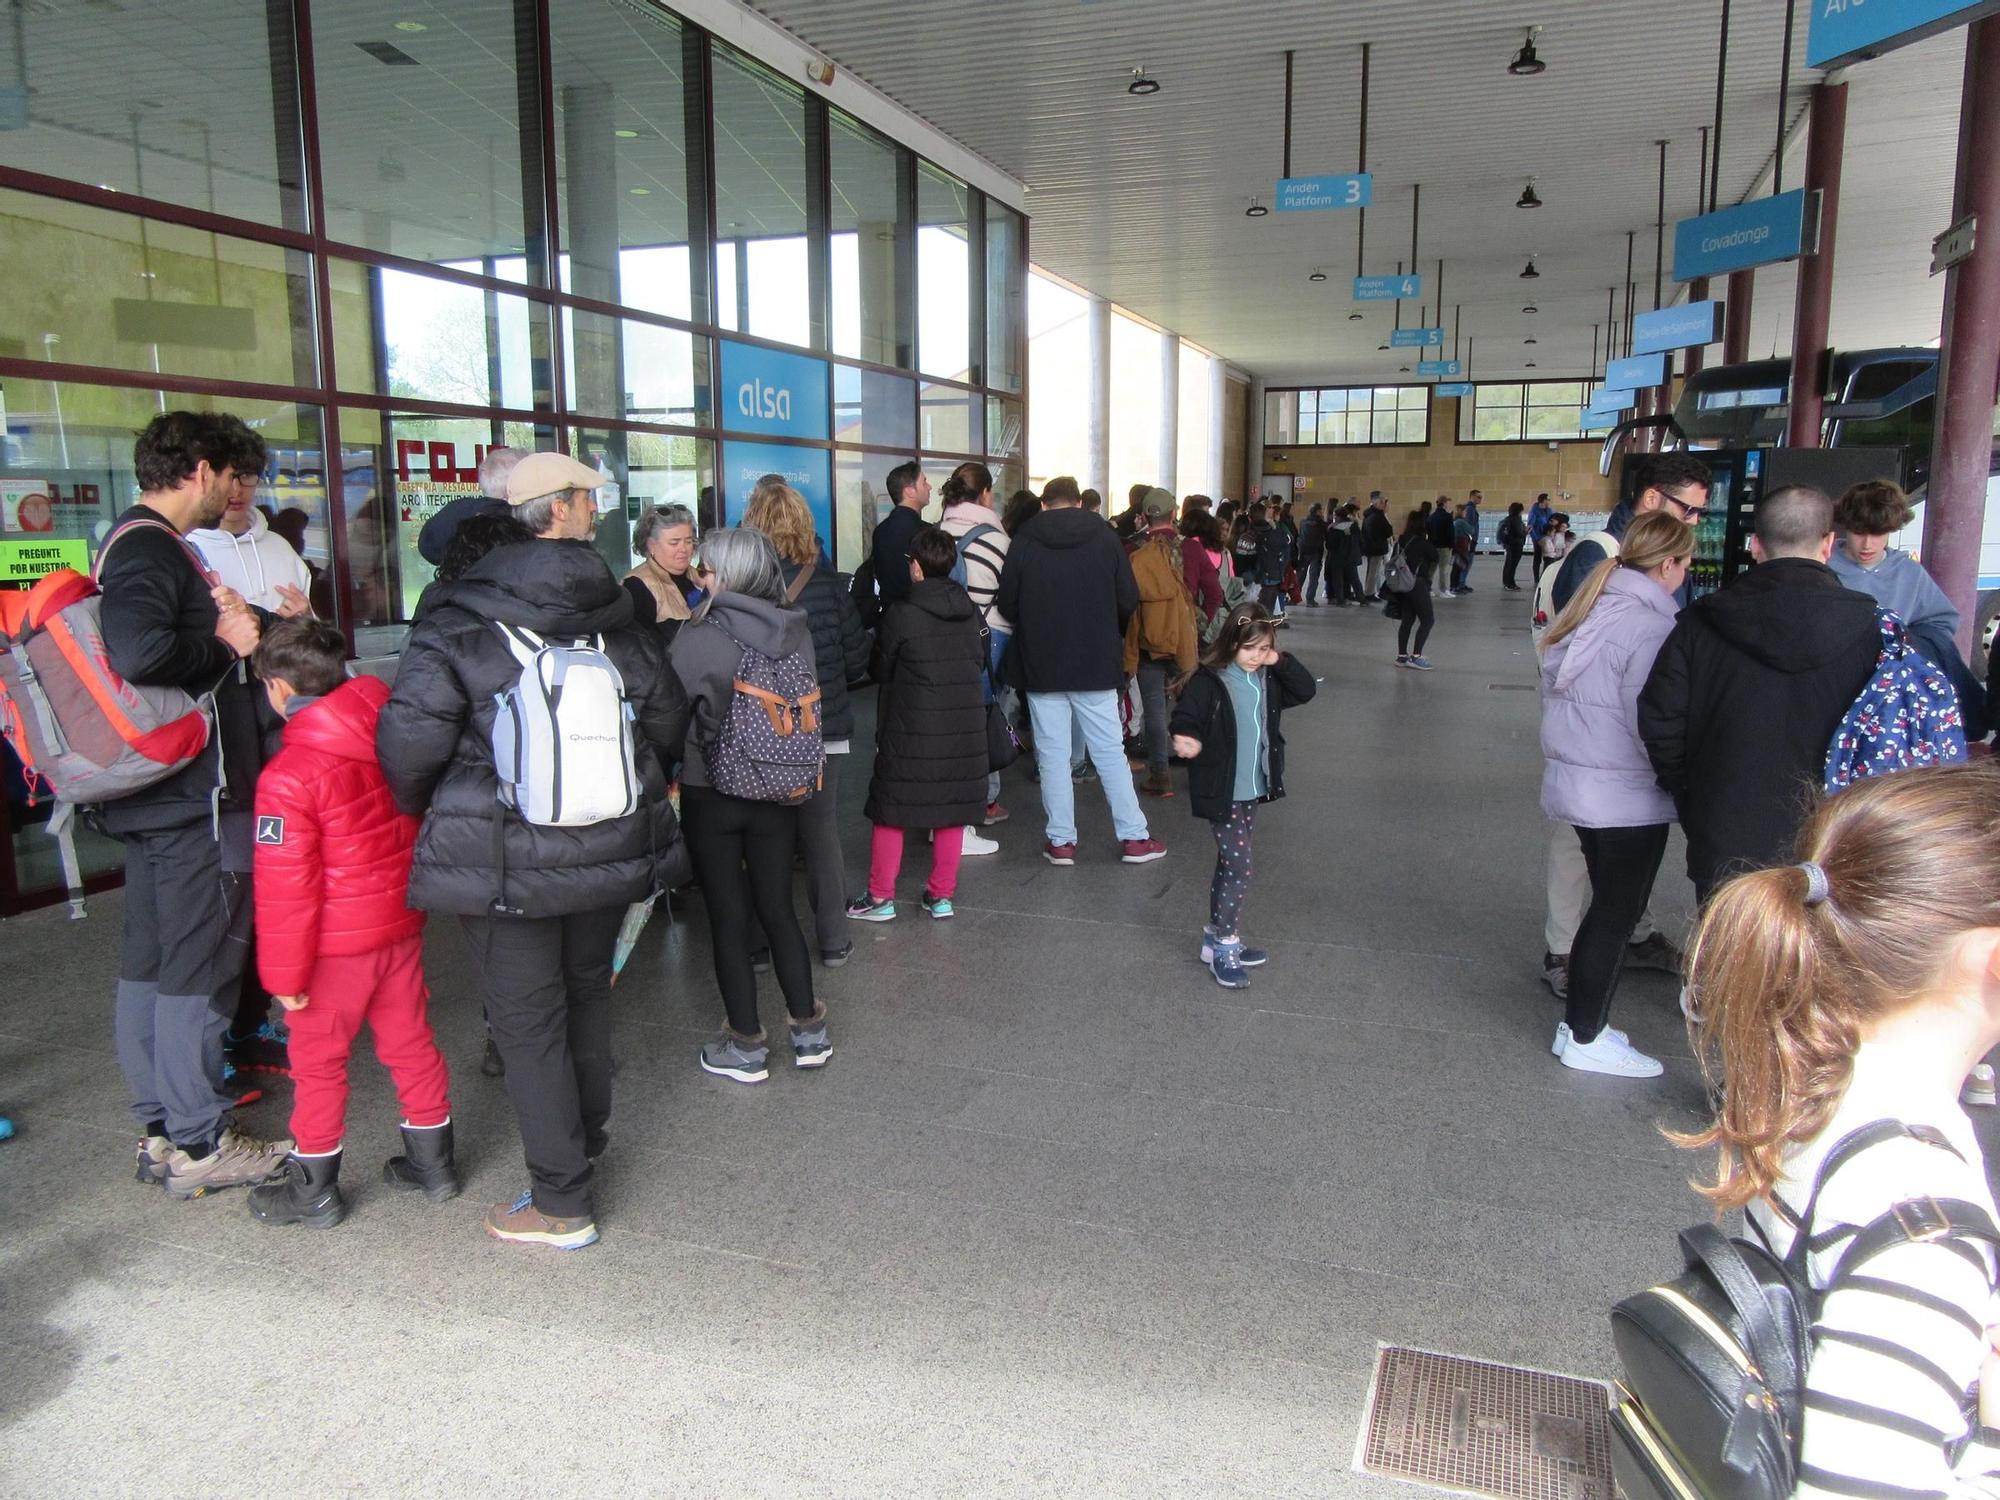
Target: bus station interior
{"x":1062,"y":1218}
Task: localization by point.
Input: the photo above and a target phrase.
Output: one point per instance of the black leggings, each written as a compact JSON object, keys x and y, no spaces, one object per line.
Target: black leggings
{"x":742,"y":855}
{"x":1231,"y":886}
{"x":1419,"y":613}
{"x":1622,"y":864}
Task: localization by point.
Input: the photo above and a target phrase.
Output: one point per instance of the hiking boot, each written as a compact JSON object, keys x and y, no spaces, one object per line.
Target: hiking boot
{"x":492,"y":1064}
{"x":153,"y":1152}
{"x":1141,"y":851}
{"x":308,"y":1193}
{"x":1250,"y":958}
{"x":743,"y":1058}
{"x":866,"y":908}
{"x":833,"y":958}
{"x":938,"y":906}
{"x":1655,"y":952}
{"x":995,"y":813}
{"x":810,"y":1047}
{"x":1159,"y":784}
{"x":1059,"y":854}
{"x":1226,"y":964}
{"x":237,"y":1160}
{"x":426,"y":1164}
{"x":522,"y":1223}
{"x":1555,"y":974}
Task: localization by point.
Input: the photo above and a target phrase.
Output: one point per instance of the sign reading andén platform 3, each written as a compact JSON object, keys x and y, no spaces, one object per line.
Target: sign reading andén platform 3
{"x":1845,"y":31}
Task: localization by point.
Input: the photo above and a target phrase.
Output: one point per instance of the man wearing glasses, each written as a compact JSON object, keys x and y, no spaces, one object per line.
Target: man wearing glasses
{"x":1676,"y":481}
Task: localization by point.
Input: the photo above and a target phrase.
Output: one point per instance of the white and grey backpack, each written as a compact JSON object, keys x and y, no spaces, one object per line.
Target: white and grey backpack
{"x":562,"y":733}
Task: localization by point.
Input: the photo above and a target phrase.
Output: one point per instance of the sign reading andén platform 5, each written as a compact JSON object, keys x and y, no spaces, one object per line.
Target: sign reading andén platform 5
{"x":1636,"y":373}
{"x":1687,"y":327}
{"x":1387,"y":288}
{"x":1416,"y":338}
{"x":1306,"y":195}
{"x":1845,"y":31}
{"x":1757,"y":233}
{"x":767,"y":391}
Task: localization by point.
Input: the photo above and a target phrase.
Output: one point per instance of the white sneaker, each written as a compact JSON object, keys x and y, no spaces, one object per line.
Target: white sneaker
{"x":976,"y":843}
{"x":1562,"y":1037}
{"x":1979,"y":1086}
{"x":1609,"y":1054}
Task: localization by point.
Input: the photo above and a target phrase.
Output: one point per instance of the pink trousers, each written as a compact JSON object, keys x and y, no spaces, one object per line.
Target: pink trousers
{"x":886,"y":859}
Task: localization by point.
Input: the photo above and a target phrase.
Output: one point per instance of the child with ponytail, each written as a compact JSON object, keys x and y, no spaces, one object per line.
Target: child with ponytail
{"x":1861,"y":985}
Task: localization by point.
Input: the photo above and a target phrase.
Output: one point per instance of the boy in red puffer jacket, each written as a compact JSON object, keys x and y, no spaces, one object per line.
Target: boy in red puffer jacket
{"x":337,"y":943}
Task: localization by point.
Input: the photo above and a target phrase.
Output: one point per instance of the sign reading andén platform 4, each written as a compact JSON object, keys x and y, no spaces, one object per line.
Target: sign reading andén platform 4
{"x":1388,"y":288}
{"x":1845,"y":31}
{"x":1687,"y":327}
{"x":1758,"y":233}
{"x":773,"y":393}
{"x":1305,"y":195}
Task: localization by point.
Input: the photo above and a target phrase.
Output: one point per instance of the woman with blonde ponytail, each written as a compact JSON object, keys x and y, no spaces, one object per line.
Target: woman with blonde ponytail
{"x":1595,"y":658}
{"x":1857,"y":986}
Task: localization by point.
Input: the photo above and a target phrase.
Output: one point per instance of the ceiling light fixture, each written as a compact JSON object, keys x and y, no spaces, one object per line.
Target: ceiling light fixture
{"x":1141,"y":85}
{"x":1256,"y":210}
{"x":1531,"y":309}
{"x":626,"y":135}
{"x":1526,"y":64}
{"x":639,"y":192}
{"x":1529,"y":197}
{"x":1354,"y":317}
{"x":411,"y":26}
{"x":1382,"y":347}
{"x":1531,"y":339}
{"x":1402,"y":369}
{"x":1528,"y":272}
{"x":1531,"y":364}
{"x":1317,"y":276}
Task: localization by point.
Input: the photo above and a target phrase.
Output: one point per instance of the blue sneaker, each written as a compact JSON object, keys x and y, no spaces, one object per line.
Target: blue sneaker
{"x":1227,"y":967}
{"x":6,"y":1128}
{"x":1418,"y":663}
{"x":866,"y":908}
{"x":938,"y":906}
{"x":1250,"y":958}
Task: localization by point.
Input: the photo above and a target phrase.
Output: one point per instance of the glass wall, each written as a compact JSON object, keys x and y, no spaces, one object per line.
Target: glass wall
{"x":1138,"y":407}
{"x":1197,"y":466}
{"x":1382,"y":415}
{"x":1059,"y":396}
{"x":584,"y":226}
{"x":1534,"y":411}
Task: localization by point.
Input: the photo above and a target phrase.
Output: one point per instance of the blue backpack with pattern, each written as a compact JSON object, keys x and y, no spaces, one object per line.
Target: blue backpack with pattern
{"x":1905,"y":716}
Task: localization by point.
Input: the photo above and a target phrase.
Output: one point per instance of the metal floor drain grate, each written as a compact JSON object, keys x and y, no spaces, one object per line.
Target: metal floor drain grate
{"x":1511,"y":687}
{"x":1470,"y":1425}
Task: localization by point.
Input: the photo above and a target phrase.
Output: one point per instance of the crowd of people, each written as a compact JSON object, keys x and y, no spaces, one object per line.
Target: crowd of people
{"x":562,"y":745}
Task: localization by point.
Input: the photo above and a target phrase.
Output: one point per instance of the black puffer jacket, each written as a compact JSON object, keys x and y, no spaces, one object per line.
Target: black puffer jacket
{"x":435,"y":740}
{"x":930,"y":723}
{"x":1205,"y":713}
{"x":1742,"y":702}
{"x":840,"y":643}
{"x":1068,"y":587}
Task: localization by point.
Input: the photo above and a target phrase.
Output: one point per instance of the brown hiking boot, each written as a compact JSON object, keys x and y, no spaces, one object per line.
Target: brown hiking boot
{"x":238,"y":1160}
{"x":524,"y":1224}
{"x":1159,"y":784}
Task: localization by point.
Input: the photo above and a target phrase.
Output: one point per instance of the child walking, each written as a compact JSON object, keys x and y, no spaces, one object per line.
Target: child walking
{"x":1226,"y":728}
{"x":337,"y":944}
{"x":930,"y":729}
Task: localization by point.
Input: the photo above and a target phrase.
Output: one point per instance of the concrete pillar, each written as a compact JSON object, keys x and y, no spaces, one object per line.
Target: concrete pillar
{"x":1826,"y":139}
{"x":1170,"y":414}
{"x":1969,"y":358}
{"x":875,"y":251}
{"x":1253,"y":446}
{"x":1209,"y":482}
{"x":1097,"y":475}
{"x":1736,"y":317}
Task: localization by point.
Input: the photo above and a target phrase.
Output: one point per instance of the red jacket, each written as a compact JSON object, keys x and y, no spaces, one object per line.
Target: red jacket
{"x":333,"y":853}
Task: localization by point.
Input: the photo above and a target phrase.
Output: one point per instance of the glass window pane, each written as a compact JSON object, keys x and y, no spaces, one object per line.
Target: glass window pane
{"x":1499,"y":395}
{"x":945,"y":419}
{"x":420,"y":131}
{"x":944,"y":276}
{"x":858,"y":502}
{"x":1553,"y":421}
{"x":650,"y":469}
{"x":1059,"y":383}
{"x":109,"y":95}
{"x":1004,"y":292}
{"x":872,"y":407}
{"x":86,"y":286}
{"x":1003,"y":428}
{"x":1412,"y":426}
{"x":866,"y":230}
{"x":1357,"y":426}
{"x":1136,"y":415}
{"x":1413,"y":398}
{"x":1556,"y":393}
{"x":760,"y":200}
{"x":1195,"y":466}
{"x":1334,"y":400}
{"x":1497,"y":424}
{"x":621,"y":157}
{"x":1385,"y":424}
{"x":442,"y":340}
{"x":643,"y":372}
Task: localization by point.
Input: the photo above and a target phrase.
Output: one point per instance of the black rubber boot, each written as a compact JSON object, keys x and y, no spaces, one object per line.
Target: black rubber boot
{"x":426,"y":1164}
{"x":308,"y":1194}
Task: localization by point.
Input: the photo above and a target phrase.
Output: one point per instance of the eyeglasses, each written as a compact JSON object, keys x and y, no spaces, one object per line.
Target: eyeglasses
{"x":1688,"y":512}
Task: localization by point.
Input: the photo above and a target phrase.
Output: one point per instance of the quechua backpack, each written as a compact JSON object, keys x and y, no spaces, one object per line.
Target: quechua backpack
{"x":562,"y":733}
{"x":768,"y":746}
{"x":1906,"y":716}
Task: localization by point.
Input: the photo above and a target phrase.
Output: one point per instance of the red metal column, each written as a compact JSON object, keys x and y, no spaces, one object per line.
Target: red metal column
{"x":1969,"y":359}
{"x":1826,"y":140}
{"x":1693,"y":359}
{"x":1736,"y":317}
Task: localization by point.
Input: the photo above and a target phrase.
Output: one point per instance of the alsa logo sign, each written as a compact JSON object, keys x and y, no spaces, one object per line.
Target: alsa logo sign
{"x":769,"y":391}
{"x":770,"y":403}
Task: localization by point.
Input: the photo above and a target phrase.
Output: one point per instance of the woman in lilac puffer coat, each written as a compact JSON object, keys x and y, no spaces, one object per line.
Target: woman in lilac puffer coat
{"x":1595,"y":659}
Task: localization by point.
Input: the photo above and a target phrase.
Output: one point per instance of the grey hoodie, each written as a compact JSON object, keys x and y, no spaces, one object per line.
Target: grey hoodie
{"x":706,"y":658}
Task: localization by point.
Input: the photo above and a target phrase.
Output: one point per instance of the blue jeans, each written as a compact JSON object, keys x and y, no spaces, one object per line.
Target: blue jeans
{"x":1097,"y":717}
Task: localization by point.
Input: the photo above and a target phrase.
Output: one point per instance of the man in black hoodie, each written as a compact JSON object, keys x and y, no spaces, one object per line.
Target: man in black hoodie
{"x":167,"y":624}
{"x":1378,"y":533}
{"x":1068,"y":587}
{"x":1746,"y":693}
{"x":540,"y":904}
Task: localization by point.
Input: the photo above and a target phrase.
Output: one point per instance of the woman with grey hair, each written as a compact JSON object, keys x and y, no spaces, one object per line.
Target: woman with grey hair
{"x":743,"y":848}
{"x":663,"y":586}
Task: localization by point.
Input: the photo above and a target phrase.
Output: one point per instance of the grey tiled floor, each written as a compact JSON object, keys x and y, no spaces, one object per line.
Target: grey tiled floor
{"x":1061,"y":1217}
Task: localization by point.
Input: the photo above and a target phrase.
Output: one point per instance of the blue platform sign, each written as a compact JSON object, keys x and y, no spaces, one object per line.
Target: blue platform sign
{"x":1845,"y":31}
{"x":1416,"y":338}
{"x":772,"y":393}
{"x":1687,"y":327}
{"x":1636,"y":373}
{"x":807,"y":470}
{"x":1611,"y":398}
{"x":1757,"y":233}
{"x":1440,"y":367}
{"x":1387,"y":288}
{"x":1307,"y":195}
{"x":1458,"y":388}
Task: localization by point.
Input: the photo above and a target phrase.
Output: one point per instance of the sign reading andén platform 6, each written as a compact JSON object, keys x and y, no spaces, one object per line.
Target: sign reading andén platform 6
{"x":1301,"y":195}
{"x":1440,"y":367}
{"x":768,"y":391}
{"x":1757,"y":233}
{"x":1845,"y":31}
